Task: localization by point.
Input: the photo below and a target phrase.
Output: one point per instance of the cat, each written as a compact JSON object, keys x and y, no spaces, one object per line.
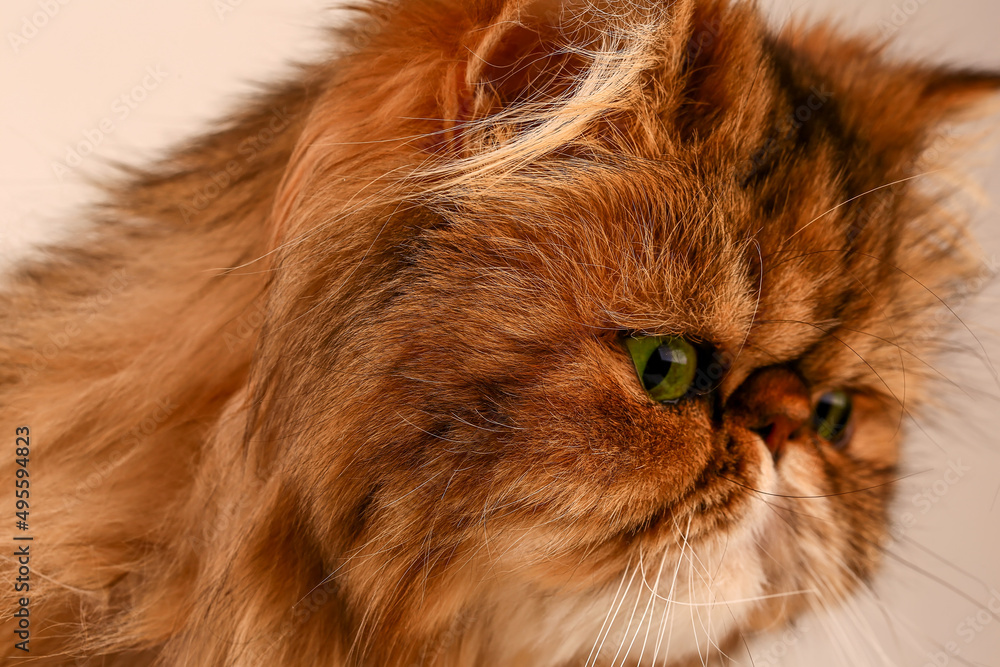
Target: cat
{"x":517,"y":332}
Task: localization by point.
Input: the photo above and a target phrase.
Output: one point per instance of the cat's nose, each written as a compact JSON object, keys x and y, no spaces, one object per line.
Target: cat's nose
{"x":773,"y":402}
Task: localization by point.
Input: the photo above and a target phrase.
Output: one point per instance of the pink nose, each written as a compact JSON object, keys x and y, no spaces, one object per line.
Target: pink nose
{"x":774,"y":403}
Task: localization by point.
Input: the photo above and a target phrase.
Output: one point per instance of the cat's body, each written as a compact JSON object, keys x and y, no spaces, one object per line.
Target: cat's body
{"x":358,"y":391}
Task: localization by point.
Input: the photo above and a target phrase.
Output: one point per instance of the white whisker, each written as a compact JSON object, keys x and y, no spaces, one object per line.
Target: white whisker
{"x":653,"y":598}
{"x":603,"y":634}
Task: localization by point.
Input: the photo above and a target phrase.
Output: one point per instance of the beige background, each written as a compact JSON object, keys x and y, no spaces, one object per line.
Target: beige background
{"x":62,"y":78}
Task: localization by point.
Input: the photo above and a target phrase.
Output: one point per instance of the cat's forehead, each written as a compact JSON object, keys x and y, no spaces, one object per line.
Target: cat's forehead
{"x":655,"y":248}
{"x":668,"y":247}
{"x":708,"y":202}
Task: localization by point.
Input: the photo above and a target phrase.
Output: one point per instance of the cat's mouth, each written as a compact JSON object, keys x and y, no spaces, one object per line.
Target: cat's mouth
{"x":723,"y":495}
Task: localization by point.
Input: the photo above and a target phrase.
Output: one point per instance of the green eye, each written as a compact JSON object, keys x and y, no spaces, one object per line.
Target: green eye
{"x":666,"y":365}
{"x":832,"y":416}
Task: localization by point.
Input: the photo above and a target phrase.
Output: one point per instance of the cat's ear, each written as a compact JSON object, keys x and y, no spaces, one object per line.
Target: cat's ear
{"x":894,"y":107}
{"x":931,"y":99}
{"x":947,"y":92}
{"x":921,"y":101}
{"x":505,"y":60}
{"x":902,"y":121}
{"x":424,"y":75}
{"x":527,"y":53}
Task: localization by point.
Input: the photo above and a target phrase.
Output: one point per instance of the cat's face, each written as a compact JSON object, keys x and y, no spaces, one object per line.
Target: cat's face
{"x":563,"y":462}
{"x":498,"y":446}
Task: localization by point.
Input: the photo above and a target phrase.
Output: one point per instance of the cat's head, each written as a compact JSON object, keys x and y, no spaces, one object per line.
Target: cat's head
{"x":629,"y":297}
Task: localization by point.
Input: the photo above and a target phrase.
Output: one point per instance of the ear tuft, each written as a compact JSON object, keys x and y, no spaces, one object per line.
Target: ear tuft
{"x":523,"y":55}
{"x":954,"y":90}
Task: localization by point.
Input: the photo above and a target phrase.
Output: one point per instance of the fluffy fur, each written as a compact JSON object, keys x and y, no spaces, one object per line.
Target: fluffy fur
{"x":342,"y":382}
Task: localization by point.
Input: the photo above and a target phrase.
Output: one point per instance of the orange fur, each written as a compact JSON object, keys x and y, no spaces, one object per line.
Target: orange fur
{"x":367,"y":404}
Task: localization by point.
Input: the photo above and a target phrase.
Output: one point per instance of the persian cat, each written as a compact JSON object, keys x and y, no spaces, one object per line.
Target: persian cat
{"x":517,"y":332}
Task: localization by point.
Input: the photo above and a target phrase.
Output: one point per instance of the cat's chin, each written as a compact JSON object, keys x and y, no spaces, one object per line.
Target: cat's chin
{"x":719,"y":560}
{"x":701,"y":558}
{"x":689,"y":600}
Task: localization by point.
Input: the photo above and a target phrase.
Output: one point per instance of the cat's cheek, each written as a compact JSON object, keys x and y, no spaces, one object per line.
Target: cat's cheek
{"x":877,"y":431}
